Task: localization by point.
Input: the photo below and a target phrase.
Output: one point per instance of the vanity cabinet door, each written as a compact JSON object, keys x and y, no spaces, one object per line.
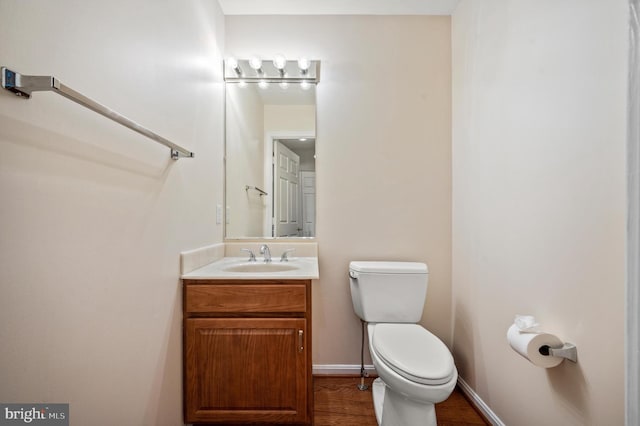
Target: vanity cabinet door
{"x":246,"y":370}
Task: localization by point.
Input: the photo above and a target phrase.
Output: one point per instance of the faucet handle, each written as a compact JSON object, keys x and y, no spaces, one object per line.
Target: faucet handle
{"x":252,"y":257}
{"x":284,"y":257}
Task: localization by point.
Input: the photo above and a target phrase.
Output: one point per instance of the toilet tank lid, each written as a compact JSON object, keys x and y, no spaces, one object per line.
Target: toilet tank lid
{"x":379,"y":267}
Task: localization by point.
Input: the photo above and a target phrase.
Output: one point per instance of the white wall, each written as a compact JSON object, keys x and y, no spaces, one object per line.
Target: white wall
{"x":244,"y":134}
{"x":307,"y":160}
{"x":539,"y":202}
{"x":383,"y":153}
{"x":93,"y":216}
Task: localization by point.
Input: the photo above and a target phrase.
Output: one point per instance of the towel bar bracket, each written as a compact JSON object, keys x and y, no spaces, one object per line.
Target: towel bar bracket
{"x":24,"y":85}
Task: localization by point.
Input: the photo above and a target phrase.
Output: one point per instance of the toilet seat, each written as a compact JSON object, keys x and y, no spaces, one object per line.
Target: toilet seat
{"x":414,"y":353}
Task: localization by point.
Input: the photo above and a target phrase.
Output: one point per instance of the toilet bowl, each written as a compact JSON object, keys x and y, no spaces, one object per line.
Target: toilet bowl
{"x":415,"y":368}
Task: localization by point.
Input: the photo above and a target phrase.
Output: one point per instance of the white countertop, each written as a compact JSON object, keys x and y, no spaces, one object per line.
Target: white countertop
{"x":305,"y":268}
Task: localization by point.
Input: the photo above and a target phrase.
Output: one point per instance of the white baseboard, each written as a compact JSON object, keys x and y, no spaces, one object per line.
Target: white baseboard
{"x":346,"y":369}
{"x":479,"y":403}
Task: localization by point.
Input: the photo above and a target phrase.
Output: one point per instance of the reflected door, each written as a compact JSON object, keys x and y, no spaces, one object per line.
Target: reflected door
{"x":286,"y":203}
{"x":308,"y":191}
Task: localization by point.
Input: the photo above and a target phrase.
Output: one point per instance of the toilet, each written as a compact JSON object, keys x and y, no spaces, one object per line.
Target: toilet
{"x":415,"y":368}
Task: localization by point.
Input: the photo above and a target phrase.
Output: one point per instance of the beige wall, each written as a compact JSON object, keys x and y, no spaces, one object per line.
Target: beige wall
{"x":539,"y":203}
{"x":93,"y":216}
{"x":383,"y":153}
{"x":290,"y":118}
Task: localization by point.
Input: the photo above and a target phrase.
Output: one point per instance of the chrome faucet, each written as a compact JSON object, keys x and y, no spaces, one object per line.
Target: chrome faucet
{"x":264,"y":249}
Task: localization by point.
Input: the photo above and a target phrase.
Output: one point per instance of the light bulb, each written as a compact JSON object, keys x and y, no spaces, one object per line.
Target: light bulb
{"x":284,"y":85}
{"x":304,"y":85}
{"x":242,"y":83}
{"x":304,"y":64}
{"x":255,"y":63}
{"x":280,"y":62}
{"x":263,"y":84}
{"x":232,"y":62}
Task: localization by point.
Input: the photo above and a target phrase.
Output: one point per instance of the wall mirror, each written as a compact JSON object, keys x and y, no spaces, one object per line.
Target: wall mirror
{"x":270,"y":139}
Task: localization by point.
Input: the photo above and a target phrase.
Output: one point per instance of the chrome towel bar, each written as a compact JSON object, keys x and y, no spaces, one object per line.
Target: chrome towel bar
{"x":23,"y":85}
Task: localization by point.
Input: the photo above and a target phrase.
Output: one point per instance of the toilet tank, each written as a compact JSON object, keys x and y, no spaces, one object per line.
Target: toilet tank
{"x":388,"y":291}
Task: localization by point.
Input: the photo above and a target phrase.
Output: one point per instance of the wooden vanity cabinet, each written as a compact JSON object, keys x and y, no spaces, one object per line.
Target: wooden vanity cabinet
{"x":247,"y":352}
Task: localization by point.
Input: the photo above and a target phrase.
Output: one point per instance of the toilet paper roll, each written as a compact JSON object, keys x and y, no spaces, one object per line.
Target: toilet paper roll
{"x":528,"y":345}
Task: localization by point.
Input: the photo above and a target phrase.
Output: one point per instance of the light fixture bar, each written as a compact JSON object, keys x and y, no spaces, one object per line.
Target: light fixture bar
{"x":268,"y":72}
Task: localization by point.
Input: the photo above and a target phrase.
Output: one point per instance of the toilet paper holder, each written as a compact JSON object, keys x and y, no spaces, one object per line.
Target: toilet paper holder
{"x":567,"y":350}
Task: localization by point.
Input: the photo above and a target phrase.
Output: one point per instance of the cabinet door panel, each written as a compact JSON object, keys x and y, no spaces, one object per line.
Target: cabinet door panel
{"x":246,"y":369}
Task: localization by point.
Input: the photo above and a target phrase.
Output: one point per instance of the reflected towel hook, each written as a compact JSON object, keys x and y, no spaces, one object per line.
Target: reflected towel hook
{"x":260,"y":191}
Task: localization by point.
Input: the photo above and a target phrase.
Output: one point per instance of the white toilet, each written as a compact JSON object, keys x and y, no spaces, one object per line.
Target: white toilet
{"x":415,"y":368}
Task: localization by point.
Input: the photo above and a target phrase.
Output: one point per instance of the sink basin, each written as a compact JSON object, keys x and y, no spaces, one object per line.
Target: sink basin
{"x":260,"y":267}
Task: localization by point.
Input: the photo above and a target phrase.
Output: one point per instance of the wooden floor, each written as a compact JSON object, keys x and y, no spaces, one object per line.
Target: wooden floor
{"x":338,"y":402}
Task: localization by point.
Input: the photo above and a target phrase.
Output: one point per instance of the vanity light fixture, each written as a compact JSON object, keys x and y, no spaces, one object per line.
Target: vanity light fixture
{"x":263,"y":84}
{"x":304,"y":85}
{"x":276,"y":70}
{"x":284,"y":85}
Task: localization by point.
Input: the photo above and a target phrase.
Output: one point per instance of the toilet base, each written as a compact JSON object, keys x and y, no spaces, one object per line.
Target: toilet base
{"x":377,"y":388}
{"x":394,"y":409}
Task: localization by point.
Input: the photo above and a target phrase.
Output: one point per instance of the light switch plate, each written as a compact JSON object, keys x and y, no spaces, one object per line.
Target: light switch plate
{"x":218,"y":214}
